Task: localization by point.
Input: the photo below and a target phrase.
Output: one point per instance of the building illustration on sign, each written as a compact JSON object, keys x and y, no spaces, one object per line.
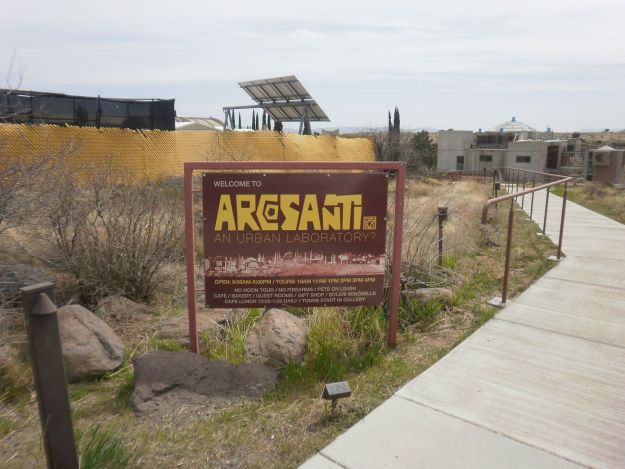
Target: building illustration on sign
{"x":296,"y":263}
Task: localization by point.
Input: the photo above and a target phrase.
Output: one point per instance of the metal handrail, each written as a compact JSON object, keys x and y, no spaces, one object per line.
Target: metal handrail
{"x":512,"y":176}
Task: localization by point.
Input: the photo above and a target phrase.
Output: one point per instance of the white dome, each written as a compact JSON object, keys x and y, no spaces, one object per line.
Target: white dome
{"x":512,"y":126}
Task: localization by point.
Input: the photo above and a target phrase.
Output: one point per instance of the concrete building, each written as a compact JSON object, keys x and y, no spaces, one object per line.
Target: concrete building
{"x":512,"y":144}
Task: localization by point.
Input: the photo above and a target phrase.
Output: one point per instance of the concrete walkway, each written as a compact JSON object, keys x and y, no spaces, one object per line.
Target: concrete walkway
{"x":541,"y":385}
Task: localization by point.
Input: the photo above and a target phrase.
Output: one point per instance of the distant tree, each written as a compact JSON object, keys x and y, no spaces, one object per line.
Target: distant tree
{"x":396,"y":121}
{"x":253,"y":120}
{"x":423,"y":152}
{"x":277,"y":126}
{"x":264,"y":120}
{"x":394,"y":136}
{"x":257,"y":121}
{"x":239,"y":121}
{"x":268,"y":122}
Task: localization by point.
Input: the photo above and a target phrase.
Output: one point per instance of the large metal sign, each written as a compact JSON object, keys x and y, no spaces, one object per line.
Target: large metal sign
{"x":294,"y":239}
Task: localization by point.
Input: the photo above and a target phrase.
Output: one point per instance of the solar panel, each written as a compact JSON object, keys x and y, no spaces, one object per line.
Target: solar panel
{"x":285,"y":99}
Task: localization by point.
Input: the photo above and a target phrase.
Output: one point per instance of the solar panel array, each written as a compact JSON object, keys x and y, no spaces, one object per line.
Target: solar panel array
{"x":284,"y":98}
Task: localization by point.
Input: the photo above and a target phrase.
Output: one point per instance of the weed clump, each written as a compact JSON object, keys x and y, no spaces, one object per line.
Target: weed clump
{"x":104,"y":450}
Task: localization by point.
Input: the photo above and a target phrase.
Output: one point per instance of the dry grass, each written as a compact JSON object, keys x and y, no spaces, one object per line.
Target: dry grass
{"x":602,"y":198}
{"x":289,"y":425}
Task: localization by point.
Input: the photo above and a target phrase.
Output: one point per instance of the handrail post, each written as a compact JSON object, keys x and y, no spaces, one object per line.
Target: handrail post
{"x":190,"y":257}
{"x":546,"y":209}
{"x":564,"y":198}
{"x":523,"y":197}
{"x":506,"y":272}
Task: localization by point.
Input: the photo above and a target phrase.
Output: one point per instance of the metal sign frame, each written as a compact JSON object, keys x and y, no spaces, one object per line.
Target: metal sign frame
{"x":400,"y":183}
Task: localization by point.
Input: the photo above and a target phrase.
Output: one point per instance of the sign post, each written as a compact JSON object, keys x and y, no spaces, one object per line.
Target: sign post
{"x":303,"y":239}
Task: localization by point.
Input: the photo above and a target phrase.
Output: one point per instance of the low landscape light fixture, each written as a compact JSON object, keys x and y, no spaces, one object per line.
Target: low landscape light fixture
{"x":335,"y":391}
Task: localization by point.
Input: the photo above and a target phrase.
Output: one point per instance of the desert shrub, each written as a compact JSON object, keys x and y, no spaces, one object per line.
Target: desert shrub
{"x":111,"y":236}
{"x":461,"y":233}
{"x":18,"y":177}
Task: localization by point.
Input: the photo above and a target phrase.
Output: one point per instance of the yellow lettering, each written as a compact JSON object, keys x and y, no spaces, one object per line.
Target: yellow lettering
{"x":331,"y":219}
{"x":291,"y":215}
{"x":267,"y":212}
{"x":225,"y":215}
{"x":310,"y":213}
{"x":246,"y":206}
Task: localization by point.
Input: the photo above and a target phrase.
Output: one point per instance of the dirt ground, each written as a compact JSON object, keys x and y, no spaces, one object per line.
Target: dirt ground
{"x":290,"y":424}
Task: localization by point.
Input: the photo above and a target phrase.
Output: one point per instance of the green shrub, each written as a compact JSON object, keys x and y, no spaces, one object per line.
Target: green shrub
{"x":344,"y":340}
{"x":229,"y":344}
{"x":104,"y":450}
{"x":415,"y":313}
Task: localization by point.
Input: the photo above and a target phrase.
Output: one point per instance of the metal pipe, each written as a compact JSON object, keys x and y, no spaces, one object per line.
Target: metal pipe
{"x":400,"y":185}
{"x":492,"y":202}
{"x":564,"y":198}
{"x":523,"y":196}
{"x":506,"y":272}
{"x":546,"y":209}
{"x":190,"y":255}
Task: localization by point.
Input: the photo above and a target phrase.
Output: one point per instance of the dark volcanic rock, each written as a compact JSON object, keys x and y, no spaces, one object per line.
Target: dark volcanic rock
{"x":165,"y":382}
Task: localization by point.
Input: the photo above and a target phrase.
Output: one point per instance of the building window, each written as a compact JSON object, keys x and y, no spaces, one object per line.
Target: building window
{"x":460,"y":162}
{"x":486,"y":158}
{"x":523,"y":159}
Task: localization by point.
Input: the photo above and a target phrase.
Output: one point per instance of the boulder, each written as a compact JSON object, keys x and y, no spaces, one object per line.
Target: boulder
{"x":167,"y":382}
{"x":177,"y":328}
{"x":15,"y":276}
{"x":117,"y":308}
{"x":426,"y":295}
{"x":277,"y":339}
{"x":90,"y":347}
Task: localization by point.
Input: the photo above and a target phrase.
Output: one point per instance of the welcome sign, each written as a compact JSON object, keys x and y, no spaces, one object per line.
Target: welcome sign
{"x":294,"y":239}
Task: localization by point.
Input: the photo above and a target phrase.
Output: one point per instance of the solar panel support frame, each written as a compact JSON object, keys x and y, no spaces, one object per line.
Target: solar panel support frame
{"x":276,"y":93}
{"x":229,"y":114}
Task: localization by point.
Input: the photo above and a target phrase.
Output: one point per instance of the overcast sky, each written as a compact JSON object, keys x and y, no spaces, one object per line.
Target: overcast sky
{"x":446,"y":64}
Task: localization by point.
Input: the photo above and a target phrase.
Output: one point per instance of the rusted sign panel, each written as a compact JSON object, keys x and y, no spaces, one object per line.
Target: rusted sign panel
{"x":294,"y":239}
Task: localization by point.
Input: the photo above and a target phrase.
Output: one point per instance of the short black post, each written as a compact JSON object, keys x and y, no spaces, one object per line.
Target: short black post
{"x":49,"y":373}
{"x":442,"y":217}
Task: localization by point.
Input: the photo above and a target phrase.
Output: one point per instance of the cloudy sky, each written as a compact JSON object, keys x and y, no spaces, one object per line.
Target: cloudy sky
{"x":446,"y":63}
